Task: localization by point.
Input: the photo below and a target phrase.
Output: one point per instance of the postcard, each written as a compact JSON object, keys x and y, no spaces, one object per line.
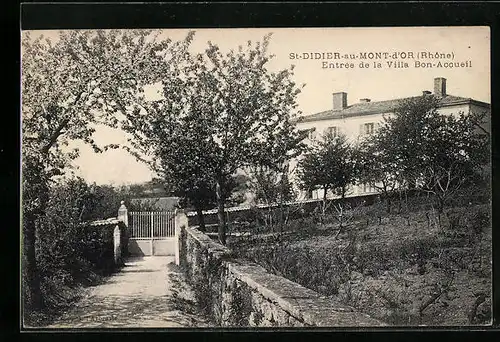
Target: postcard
{"x":256,"y":177}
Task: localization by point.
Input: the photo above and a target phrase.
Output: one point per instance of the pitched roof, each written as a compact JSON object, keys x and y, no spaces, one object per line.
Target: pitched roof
{"x":379,"y":107}
{"x":107,"y":222}
{"x":154,"y":203}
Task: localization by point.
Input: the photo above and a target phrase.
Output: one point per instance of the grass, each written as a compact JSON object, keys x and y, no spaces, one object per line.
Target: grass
{"x":58,"y":298}
{"x":405,"y":269}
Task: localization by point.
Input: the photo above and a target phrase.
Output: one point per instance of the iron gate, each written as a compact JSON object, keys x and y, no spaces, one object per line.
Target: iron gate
{"x":151,"y":233}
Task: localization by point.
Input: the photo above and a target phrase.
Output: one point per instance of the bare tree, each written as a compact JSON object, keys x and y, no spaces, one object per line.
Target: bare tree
{"x":443,"y":182}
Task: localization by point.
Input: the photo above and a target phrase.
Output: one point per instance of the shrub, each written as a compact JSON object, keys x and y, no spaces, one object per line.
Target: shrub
{"x":69,"y":253}
{"x":322,"y":271}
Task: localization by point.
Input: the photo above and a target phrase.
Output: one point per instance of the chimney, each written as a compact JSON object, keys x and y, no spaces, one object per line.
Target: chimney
{"x":364,"y":100}
{"x":426,"y":92}
{"x":440,"y":86}
{"x":339,"y":100}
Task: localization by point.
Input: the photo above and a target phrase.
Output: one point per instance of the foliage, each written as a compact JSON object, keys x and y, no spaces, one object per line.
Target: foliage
{"x":378,"y":168}
{"x":70,"y":253}
{"x":85,"y":77}
{"x":153,"y":188}
{"x":270,"y":186}
{"x":70,"y":84}
{"x":219,"y":113}
{"x":420,"y":148}
{"x":104,"y":201}
{"x":392,"y":271}
{"x":331,"y":165}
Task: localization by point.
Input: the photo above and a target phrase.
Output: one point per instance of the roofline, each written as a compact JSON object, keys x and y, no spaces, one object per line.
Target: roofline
{"x":468,"y":101}
{"x":307,"y":118}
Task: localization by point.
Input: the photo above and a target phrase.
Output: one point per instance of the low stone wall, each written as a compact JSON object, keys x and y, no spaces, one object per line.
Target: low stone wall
{"x":113,"y":236}
{"x":235,"y":292}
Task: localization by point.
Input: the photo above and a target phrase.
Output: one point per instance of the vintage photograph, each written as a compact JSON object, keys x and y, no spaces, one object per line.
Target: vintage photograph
{"x":256,"y":177}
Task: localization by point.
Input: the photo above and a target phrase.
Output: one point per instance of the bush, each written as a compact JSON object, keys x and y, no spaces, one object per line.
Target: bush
{"x":406,"y":261}
{"x":69,"y":254}
{"x":322,"y":271}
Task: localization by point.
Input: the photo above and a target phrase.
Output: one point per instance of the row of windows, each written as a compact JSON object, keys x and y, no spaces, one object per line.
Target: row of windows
{"x":359,"y":189}
{"x":364,"y":129}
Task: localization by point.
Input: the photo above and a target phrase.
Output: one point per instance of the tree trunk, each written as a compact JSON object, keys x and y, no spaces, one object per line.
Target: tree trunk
{"x":220,"y":212}
{"x":35,"y":198}
{"x":269,"y":219}
{"x":387,"y":198}
{"x":323,"y":209}
{"x":201,"y":219}
{"x":400,"y":204}
{"x":440,"y":205}
{"x":282,"y":220}
{"x":32,"y":297}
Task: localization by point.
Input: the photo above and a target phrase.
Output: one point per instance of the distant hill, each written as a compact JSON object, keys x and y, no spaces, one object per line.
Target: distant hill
{"x":154,"y":204}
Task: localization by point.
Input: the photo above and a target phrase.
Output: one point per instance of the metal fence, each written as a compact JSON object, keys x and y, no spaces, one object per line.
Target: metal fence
{"x":151,"y":225}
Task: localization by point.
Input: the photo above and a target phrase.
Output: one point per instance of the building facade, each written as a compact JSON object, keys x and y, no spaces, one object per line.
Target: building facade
{"x":364,"y":117}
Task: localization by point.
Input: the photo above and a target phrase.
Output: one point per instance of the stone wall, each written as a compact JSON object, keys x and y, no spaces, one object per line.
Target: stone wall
{"x":235,"y":292}
{"x":114,"y":240}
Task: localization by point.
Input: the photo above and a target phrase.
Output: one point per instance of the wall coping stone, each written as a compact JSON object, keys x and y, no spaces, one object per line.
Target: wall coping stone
{"x":300,"y":302}
{"x":106,"y":222}
{"x":212,"y":247}
{"x":304,"y":304}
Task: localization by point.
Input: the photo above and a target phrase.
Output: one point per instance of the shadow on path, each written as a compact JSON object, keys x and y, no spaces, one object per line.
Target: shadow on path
{"x":141,"y":295}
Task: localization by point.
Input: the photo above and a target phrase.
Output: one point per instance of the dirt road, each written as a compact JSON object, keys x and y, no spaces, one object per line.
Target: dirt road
{"x":142,"y":295}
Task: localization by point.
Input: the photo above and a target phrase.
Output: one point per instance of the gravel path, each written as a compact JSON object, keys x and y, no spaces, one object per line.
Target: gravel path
{"x":148,"y":292}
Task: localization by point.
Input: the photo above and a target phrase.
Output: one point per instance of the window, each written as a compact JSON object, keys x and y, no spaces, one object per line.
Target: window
{"x":334,"y":131}
{"x":367,"y":187}
{"x":367,"y":128}
{"x":312,"y":134}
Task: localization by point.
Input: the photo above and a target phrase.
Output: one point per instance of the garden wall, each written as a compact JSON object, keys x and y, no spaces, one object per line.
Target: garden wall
{"x":109,"y":240}
{"x":236,"y":292}
{"x":249,"y":213}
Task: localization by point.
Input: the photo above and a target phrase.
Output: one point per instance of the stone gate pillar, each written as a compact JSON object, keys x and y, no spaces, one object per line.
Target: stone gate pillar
{"x":181,"y":220}
{"x":123,"y":214}
{"x":117,"y":245}
{"x":124,"y":233}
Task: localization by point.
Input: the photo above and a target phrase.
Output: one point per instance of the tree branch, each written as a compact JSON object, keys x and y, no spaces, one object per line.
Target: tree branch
{"x":54,"y":136}
{"x":59,"y":129}
{"x":435,"y":296}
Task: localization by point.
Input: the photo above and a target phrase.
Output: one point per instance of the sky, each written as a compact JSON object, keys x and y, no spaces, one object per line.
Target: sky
{"x":467,"y":45}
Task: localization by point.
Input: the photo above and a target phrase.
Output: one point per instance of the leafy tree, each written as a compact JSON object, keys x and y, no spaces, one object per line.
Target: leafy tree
{"x":180,"y":143}
{"x":69,"y":252}
{"x":332,"y":164}
{"x":270,"y":186}
{"x":269,"y":177}
{"x":106,"y":200}
{"x":407,"y":135}
{"x":378,"y":168}
{"x":458,"y":155}
{"x":230,"y":107}
{"x":69,"y":85}
{"x":419,"y":147}
{"x":251,"y":111}
{"x":186,"y":163}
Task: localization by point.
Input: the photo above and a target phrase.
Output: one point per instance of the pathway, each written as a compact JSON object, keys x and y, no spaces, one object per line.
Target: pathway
{"x":149,"y":292}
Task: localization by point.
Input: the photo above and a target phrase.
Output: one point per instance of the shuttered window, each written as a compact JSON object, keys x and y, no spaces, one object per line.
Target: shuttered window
{"x":367,"y":128}
{"x":334,"y":131}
